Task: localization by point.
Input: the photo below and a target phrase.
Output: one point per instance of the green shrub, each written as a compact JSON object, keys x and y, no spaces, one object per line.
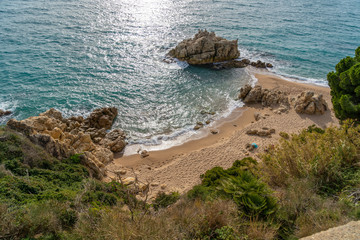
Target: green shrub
{"x":327,"y":159}
{"x":284,"y":135}
{"x":163,"y":200}
{"x":68,"y":218}
{"x":226,"y":233}
{"x":345,"y":87}
{"x":251,"y":195}
{"x":314,"y":128}
{"x":240,"y":184}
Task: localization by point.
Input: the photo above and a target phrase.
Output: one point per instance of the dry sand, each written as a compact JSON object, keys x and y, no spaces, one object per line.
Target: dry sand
{"x":179,"y":168}
{"x":350,"y":231}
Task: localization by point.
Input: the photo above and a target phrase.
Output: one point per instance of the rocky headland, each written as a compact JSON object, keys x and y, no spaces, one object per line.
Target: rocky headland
{"x":64,"y":137}
{"x":207,"y":49}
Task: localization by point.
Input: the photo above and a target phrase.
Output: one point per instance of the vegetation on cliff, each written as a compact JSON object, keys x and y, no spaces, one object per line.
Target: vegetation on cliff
{"x":306,"y":184}
{"x":345,"y":87}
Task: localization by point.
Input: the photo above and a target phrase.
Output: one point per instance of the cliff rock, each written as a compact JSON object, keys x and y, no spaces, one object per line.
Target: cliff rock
{"x":63,"y":137}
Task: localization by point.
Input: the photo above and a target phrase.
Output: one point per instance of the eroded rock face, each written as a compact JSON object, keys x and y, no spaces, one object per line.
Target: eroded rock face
{"x":63,"y":137}
{"x":310,"y":103}
{"x":205,"y":48}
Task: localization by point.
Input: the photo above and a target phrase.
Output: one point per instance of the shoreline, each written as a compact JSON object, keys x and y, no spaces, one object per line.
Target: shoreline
{"x":190,"y":135}
{"x":178,"y":168}
{"x":223,"y":122}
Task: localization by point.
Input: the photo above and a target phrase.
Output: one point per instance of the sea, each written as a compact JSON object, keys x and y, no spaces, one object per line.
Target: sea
{"x":78,"y":55}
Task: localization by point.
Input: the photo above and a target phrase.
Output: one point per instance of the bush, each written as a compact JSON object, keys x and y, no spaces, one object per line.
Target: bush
{"x":284,"y":135}
{"x":163,"y":200}
{"x":345,"y":87}
{"x":240,"y":184}
{"x":327,"y":159}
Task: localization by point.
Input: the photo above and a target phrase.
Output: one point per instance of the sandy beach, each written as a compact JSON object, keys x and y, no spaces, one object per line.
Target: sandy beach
{"x":179,"y":168}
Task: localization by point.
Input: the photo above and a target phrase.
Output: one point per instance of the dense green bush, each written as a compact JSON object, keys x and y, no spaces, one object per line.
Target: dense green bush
{"x":240,"y":184}
{"x":345,"y":87}
{"x":163,"y":200}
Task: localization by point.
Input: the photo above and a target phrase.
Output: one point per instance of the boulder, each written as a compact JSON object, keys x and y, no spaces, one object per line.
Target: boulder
{"x":128,"y":180}
{"x":205,"y":48}
{"x":257,"y":116}
{"x":101,"y":118}
{"x":252,"y":132}
{"x":144,"y":154}
{"x":114,"y":140}
{"x":265,"y":97}
{"x":240,"y":64}
{"x":4,"y":113}
{"x":214,"y":131}
{"x":309,"y":103}
{"x":264,"y":132}
{"x":229,"y":64}
{"x":64,"y":137}
{"x":244,"y":91}
{"x":198,"y":126}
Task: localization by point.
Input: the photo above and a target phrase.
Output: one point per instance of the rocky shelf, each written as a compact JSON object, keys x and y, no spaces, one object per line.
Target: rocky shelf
{"x":64,"y":137}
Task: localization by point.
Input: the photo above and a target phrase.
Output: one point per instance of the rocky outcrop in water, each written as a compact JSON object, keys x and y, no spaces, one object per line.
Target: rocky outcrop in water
{"x":64,"y":137}
{"x":307,"y":102}
{"x":241,"y":64}
{"x":205,"y":48}
{"x":4,"y":113}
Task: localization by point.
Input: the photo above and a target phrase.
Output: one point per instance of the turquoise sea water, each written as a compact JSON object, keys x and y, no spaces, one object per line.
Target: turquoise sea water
{"x":76,"y":55}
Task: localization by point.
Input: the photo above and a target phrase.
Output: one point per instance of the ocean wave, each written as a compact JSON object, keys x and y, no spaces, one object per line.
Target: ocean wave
{"x":179,"y":137}
{"x":7,"y":106}
{"x":278,"y":69}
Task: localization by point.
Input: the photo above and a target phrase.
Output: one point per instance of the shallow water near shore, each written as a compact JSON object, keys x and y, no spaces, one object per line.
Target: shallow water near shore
{"x":79,"y":55}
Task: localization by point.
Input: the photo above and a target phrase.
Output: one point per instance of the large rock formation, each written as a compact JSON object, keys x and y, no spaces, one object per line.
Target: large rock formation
{"x":264,"y":96}
{"x":205,"y":48}
{"x":309,"y":103}
{"x":306,"y":102}
{"x":63,"y":137}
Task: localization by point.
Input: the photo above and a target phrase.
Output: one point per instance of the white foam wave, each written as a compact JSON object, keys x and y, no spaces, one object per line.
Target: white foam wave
{"x":278,"y":65}
{"x":7,"y":106}
{"x":162,"y":142}
{"x":74,"y":112}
